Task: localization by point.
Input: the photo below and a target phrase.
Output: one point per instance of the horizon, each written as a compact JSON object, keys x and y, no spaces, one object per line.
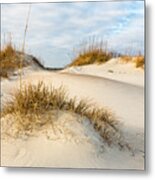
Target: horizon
{"x":56,"y":29}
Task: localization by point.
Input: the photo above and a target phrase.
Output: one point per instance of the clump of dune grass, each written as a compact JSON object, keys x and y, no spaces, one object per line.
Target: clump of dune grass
{"x":35,"y":106}
{"x":138,"y":60}
{"x":92,"y":52}
{"x":7,"y":60}
{"x":10,"y":60}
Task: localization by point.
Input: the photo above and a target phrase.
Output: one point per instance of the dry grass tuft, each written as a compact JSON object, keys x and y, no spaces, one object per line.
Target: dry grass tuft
{"x":93,"y":52}
{"x":126,"y":58}
{"x":138,"y":60}
{"x":33,"y":108}
{"x":9,"y":60}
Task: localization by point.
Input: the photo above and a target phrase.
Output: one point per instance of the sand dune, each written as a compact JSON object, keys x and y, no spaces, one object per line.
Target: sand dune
{"x":75,"y":143}
{"x":113,"y":69}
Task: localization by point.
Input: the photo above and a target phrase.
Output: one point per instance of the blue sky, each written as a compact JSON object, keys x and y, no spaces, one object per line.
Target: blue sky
{"x":56,"y":29}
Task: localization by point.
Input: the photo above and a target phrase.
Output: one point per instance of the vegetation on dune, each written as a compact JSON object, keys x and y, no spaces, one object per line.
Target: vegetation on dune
{"x":138,"y":60}
{"x":93,"y":52}
{"x":33,"y":107}
{"x":10,"y":60}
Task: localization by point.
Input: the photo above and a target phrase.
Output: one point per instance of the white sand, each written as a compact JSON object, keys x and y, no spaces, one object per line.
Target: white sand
{"x":74,"y":143}
{"x":113,"y":69}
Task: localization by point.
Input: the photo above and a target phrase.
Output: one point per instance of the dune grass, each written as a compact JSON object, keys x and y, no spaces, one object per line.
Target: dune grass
{"x":138,"y":60}
{"x":92,"y":52}
{"x":33,"y":106}
{"x":95,"y":52}
{"x":10,"y":60}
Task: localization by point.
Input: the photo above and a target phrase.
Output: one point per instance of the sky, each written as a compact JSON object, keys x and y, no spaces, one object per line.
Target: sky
{"x":56,"y":30}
